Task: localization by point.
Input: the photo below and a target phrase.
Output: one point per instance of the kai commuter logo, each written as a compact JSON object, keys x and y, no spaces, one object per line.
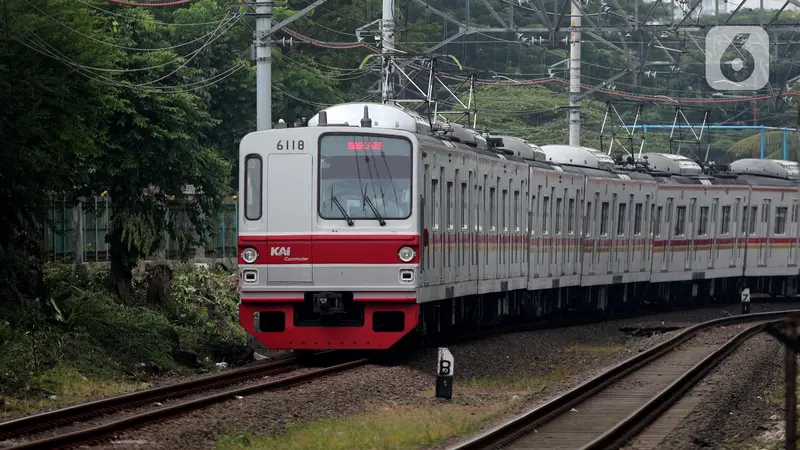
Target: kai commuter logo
{"x":280,"y":251}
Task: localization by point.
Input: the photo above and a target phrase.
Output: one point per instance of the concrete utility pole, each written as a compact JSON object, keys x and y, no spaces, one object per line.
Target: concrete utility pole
{"x":387,"y":50}
{"x":263,"y":43}
{"x":575,"y":75}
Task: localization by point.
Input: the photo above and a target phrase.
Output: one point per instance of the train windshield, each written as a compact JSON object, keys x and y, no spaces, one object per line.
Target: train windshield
{"x":364,"y":177}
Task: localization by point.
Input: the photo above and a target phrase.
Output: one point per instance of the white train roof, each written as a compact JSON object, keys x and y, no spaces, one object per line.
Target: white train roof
{"x":382,"y":116}
{"x":788,"y":170}
{"x":523,"y":148}
{"x":578,"y":156}
{"x":671,"y":163}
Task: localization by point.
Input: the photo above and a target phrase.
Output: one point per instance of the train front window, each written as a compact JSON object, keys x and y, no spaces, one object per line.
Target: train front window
{"x":364,"y":177}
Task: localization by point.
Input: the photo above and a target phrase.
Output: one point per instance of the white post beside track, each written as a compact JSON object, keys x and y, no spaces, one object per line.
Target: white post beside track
{"x":444,"y":374}
{"x":745,"y":301}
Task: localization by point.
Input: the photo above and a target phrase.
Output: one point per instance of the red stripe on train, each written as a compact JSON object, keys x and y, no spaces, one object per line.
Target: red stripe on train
{"x":329,"y":248}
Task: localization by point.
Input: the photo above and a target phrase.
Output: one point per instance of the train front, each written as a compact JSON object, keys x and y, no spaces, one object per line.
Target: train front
{"x":329,"y":236}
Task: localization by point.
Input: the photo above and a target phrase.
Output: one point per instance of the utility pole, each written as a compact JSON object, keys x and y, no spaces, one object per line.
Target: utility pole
{"x":575,"y":75}
{"x":263,"y":43}
{"x":387,"y":50}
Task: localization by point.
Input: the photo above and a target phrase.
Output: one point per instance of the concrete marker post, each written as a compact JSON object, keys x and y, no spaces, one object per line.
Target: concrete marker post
{"x":746,"y":301}
{"x":444,"y":374}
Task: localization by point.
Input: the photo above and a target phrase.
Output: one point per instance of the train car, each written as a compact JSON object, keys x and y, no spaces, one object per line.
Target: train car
{"x":372,"y":224}
{"x":769,"y":235}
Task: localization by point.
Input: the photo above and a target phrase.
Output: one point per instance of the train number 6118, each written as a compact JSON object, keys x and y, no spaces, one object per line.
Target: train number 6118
{"x":291,"y":145}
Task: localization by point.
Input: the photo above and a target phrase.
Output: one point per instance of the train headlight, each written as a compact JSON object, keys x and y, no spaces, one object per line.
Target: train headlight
{"x":249,"y":255}
{"x":406,"y":254}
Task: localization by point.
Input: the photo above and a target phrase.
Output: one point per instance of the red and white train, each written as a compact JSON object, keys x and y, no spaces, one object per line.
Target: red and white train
{"x":368,"y":225}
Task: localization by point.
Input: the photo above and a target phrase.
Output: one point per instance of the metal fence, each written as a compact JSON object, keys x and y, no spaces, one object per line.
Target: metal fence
{"x":93,"y":216}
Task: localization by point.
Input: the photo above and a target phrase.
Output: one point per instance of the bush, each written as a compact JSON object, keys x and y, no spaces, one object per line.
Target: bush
{"x":82,"y":325}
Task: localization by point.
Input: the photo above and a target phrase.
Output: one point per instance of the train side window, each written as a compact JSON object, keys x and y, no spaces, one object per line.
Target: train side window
{"x":680,"y":221}
{"x":464,"y":201}
{"x":545,"y":211}
{"x":571,"y":217}
{"x":637,"y":219}
{"x":434,"y":196}
{"x":559,"y":211}
{"x":657,"y":221}
{"x":492,"y":210}
{"x":504,"y":215}
{"x":484,"y":223}
{"x":586,"y":222}
{"x":621,"y":219}
{"x":780,"y":219}
{"x":604,"y":219}
{"x":726,"y":220}
{"x":702,"y":227}
{"x":253,"y":175}
{"x":517,"y":206}
{"x":753,"y":217}
{"x":449,"y":206}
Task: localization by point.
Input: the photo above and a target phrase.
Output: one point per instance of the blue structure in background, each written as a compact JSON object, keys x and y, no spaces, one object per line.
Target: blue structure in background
{"x":761,"y":128}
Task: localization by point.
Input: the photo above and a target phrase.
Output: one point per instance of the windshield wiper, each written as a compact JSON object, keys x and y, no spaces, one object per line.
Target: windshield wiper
{"x":375,"y":210}
{"x":341,"y":209}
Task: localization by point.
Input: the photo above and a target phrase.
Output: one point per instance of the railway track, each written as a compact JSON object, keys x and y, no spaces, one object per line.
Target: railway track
{"x":617,"y":405}
{"x":64,"y":417}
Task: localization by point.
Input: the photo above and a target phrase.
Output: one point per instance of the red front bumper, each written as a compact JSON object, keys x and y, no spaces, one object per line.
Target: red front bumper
{"x":329,"y":337}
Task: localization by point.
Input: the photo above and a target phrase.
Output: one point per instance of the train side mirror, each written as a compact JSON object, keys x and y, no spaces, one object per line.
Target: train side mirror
{"x":424,"y":237}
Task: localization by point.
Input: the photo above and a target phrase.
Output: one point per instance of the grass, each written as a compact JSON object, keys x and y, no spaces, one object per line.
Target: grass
{"x":384,"y":427}
{"x":69,"y":387}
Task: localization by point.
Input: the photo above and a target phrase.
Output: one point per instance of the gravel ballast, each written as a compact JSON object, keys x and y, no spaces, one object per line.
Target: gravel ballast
{"x":729,"y":406}
{"x":518,"y":369}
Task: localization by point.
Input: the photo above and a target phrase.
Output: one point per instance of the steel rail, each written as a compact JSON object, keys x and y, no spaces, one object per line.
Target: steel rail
{"x":83,"y":411}
{"x":88,"y":434}
{"x":640,"y":419}
{"x":513,"y":429}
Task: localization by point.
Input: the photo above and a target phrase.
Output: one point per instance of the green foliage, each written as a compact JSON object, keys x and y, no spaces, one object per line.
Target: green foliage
{"x":85,"y":328}
{"x":205,"y":307}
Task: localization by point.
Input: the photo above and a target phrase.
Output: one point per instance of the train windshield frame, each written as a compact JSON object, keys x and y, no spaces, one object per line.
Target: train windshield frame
{"x":367,"y":176}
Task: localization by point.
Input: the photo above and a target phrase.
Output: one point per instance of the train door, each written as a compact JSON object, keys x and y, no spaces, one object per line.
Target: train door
{"x":435,"y":246}
{"x":690,"y":233}
{"x":467,"y":223}
{"x":475,"y":203}
{"x":631,"y":231}
{"x":612,"y":261}
{"x":641,"y":232}
{"x":521,"y":200}
{"x":426,"y":215}
{"x":793,"y":235}
{"x":734,"y":232}
{"x":483,"y":257}
{"x":559,"y":249}
{"x":536,"y":230}
{"x":504,"y":230}
{"x":712,"y":233}
{"x":547,"y":231}
{"x":592,"y":219}
{"x":666,"y":255}
{"x":764,"y":232}
{"x":573,"y":230}
{"x":291,"y":214}
{"x":603,"y":238}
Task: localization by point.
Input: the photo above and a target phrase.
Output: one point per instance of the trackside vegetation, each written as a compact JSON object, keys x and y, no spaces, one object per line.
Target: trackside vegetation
{"x":82,"y":342}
